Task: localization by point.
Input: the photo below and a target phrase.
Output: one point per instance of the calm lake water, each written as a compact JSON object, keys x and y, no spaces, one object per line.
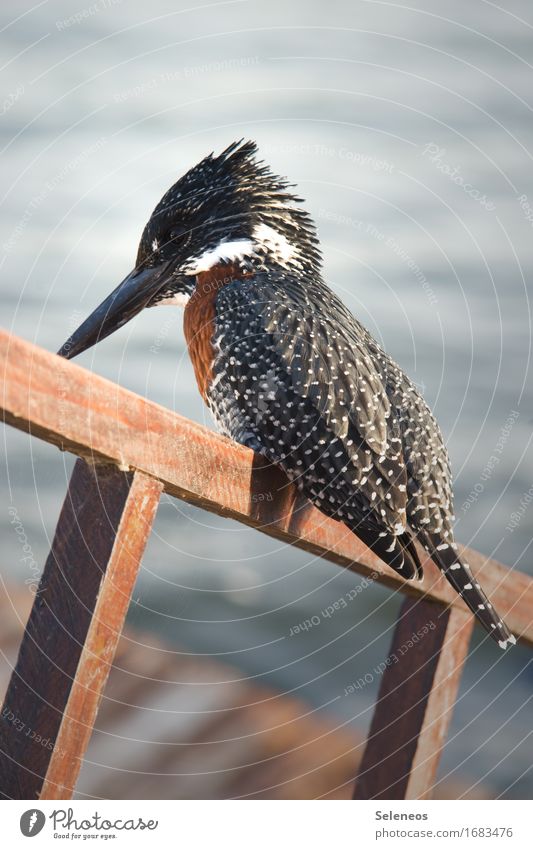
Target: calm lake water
{"x":408,"y":132}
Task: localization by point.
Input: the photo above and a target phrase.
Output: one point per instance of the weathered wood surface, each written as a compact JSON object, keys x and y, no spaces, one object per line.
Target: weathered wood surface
{"x":73,"y":629}
{"x":68,"y":406}
{"x":415,"y":702}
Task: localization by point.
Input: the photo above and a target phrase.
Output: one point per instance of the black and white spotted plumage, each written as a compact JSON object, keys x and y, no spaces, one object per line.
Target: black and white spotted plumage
{"x":293,"y":374}
{"x":301,"y":381}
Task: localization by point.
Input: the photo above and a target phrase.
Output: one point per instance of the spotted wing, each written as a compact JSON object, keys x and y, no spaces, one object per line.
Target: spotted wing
{"x":289,"y":383}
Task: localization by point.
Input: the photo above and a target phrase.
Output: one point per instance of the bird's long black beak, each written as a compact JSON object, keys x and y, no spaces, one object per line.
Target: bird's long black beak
{"x":129,"y":298}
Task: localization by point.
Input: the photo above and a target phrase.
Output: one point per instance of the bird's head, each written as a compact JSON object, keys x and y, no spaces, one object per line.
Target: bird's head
{"x":228,"y":209}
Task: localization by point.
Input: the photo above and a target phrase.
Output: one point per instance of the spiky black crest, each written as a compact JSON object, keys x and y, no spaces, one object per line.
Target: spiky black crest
{"x":224,"y":198}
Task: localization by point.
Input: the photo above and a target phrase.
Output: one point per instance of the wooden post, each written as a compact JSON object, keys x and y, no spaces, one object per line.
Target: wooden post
{"x":415,"y":702}
{"x":74,"y":626}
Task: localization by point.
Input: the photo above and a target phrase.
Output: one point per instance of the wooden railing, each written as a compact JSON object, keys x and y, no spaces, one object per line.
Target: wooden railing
{"x":132,"y":450}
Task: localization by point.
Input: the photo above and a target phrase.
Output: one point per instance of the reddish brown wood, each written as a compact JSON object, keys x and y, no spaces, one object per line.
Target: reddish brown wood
{"x":83,"y":413}
{"x":73,"y":629}
{"x":415,"y":703}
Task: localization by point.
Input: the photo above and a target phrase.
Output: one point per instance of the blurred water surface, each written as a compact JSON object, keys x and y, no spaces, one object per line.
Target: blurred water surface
{"x":408,"y":132}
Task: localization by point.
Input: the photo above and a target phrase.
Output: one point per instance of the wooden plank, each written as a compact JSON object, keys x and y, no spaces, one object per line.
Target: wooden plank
{"x":73,"y":629}
{"x":415,"y":702}
{"x":68,"y":406}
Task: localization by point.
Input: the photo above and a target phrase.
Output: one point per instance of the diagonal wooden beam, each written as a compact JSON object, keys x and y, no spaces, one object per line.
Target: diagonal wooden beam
{"x":74,"y":626}
{"x":415,"y":702}
{"x":68,"y":406}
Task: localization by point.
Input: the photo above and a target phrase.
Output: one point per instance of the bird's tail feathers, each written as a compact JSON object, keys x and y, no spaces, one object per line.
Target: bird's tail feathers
{"x":398,"y":552}
{"x":460,"y":576}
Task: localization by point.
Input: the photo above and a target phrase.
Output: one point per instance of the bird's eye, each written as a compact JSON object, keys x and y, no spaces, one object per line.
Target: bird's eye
{"x":178,"y":232}
{"x":180,"y":236}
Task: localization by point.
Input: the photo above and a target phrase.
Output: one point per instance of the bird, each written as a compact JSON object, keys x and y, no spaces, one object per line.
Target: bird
{"x":287,"y":370}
